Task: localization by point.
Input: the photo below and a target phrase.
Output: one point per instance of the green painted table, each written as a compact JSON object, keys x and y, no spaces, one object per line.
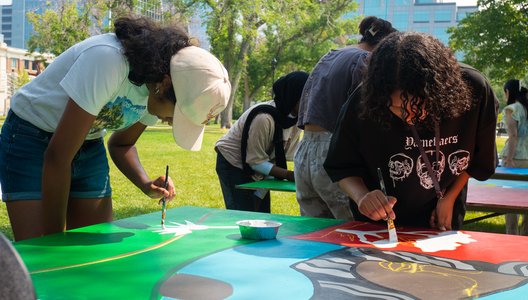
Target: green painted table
{"x":131,"y":258}
{"x":200,"y":255}
{"x":270,"y":184}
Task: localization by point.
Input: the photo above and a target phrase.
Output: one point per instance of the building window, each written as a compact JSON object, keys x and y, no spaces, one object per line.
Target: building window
{"x":26,"y":64}
{"x":375,"y":8}
{"x":13,"y":63}
{"x":421,"y":28}
{"x":421,"y":16}
{"x":460,"y":16}
{"x":400,"y":20}
{"x":7,"y":34}
{"x":402,"y":2}
{"x":7,"y":11}
{"x":373,"y":4}
{"x":442,"y":16}
{"x":6,"y":27}
{"x":6,"y":19}
{"x":441,"y":34}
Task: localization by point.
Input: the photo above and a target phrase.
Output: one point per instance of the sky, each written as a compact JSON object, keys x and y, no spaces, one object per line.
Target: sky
{"x":463,"y":2}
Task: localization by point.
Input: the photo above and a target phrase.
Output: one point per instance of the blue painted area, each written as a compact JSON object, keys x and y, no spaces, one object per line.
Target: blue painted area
{"x":269,"y":263}
{"x":266,"y":262}
{"x":518,"y":293}
{"x":515,"y":184}
{"x":516,"y":171}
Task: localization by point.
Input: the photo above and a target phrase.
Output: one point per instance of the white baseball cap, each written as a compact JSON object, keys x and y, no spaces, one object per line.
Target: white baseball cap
{"x":202,"y":89}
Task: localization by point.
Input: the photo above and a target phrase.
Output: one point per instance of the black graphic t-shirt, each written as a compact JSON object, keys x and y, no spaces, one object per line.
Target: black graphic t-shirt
{"x":467,"y":143}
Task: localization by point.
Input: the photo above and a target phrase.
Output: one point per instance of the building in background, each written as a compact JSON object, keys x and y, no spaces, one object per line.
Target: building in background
{"x":17,"y":29}
{"x":429,"y":16}
{"x":150,"y":8}
{"x":15,"y":25}
{"x":13,"y":63}
{"x":197,"y":30}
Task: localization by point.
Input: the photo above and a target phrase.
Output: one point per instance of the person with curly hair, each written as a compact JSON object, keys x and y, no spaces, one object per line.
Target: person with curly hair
{"x":332,"y":80}
{"x":426,"y":122}
{"x":515,"y":151}
{"x":54,"y":170}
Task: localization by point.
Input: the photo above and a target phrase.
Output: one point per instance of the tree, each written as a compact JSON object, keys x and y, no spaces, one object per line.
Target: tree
{"x":248,"y":34}
{"x":67,"y":22}
{"x":495,"y":38}
{"x":61,"y":26}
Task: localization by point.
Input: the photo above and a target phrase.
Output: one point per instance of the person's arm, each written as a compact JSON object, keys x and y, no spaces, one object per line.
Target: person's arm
{"x":282,"y":173}
{"x":122,"y":149}
{"x":345,"y":164}
{"x":484,"y":157}
{"x":372,"y":204}
{"x":511,"y":128}
{"x":56,"y":173}
{"x":443,"y":214}
{"x":260,"y":139}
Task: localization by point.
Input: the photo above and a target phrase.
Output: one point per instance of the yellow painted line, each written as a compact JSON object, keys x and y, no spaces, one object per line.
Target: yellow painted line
{"x":109,"y":258}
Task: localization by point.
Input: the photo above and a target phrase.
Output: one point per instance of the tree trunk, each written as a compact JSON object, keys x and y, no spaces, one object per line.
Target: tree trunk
{"x":235,"y":74}
{"x":247,"y":97}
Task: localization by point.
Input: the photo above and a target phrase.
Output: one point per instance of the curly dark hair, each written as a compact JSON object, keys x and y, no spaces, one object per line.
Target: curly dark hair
{"x":426,"y":73}
{"x":149,"y":47}
{"x":374,"y":29}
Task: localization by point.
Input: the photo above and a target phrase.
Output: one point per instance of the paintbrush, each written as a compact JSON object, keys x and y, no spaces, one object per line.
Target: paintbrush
{"x":163,"y":200}
{"x":393,"y":236}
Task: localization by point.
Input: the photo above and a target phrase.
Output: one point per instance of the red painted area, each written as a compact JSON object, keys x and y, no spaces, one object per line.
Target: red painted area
{"x":488,"y":247}
{"x":497,"y":196}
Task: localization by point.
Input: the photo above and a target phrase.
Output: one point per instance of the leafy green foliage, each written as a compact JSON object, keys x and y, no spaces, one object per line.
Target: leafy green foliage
{"x":247,"y":35}
{"x":495,"y":39}
{"x":68,"y":22}
{"x":58,"y":29}
{"x":20,"y":79}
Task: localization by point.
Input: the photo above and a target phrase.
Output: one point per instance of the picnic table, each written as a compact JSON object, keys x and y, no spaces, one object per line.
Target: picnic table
{"x":511,"y":173}
{"x":497,"y":196}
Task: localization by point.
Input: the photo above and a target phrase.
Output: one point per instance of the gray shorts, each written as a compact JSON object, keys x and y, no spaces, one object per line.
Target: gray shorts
{"x":317,"y":195}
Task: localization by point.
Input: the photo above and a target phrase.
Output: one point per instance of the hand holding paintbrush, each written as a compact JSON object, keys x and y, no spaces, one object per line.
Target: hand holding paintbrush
{"x":393,"y":237}
{"x":163,"y":200}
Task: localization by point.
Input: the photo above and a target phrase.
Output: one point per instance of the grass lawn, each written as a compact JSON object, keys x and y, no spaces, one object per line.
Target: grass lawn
{"x":195,"y":180}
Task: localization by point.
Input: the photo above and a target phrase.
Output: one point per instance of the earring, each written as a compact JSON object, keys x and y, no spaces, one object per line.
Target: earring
{"x":156,"y":91}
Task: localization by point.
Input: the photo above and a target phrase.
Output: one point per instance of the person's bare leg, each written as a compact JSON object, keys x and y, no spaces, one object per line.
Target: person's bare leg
{"x":26,"y":218}
{"x":84,"y":212}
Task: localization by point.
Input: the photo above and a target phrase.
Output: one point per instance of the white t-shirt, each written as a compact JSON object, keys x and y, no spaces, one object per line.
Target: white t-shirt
{"x":94,"y":74}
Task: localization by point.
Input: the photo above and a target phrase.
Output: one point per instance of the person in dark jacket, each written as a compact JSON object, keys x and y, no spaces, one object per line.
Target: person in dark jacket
{"x":427,"y":122}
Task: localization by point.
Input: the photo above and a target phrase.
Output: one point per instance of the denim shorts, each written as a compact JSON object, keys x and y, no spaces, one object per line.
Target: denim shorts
{"x":22,"y":147}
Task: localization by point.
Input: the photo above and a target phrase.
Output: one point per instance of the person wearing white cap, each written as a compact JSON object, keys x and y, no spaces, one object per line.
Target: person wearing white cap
{"x":53,"y":166}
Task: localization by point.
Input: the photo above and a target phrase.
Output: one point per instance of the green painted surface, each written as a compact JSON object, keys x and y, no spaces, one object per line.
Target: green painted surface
{"x":271,"y":184}
{"x":128,"y":259}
